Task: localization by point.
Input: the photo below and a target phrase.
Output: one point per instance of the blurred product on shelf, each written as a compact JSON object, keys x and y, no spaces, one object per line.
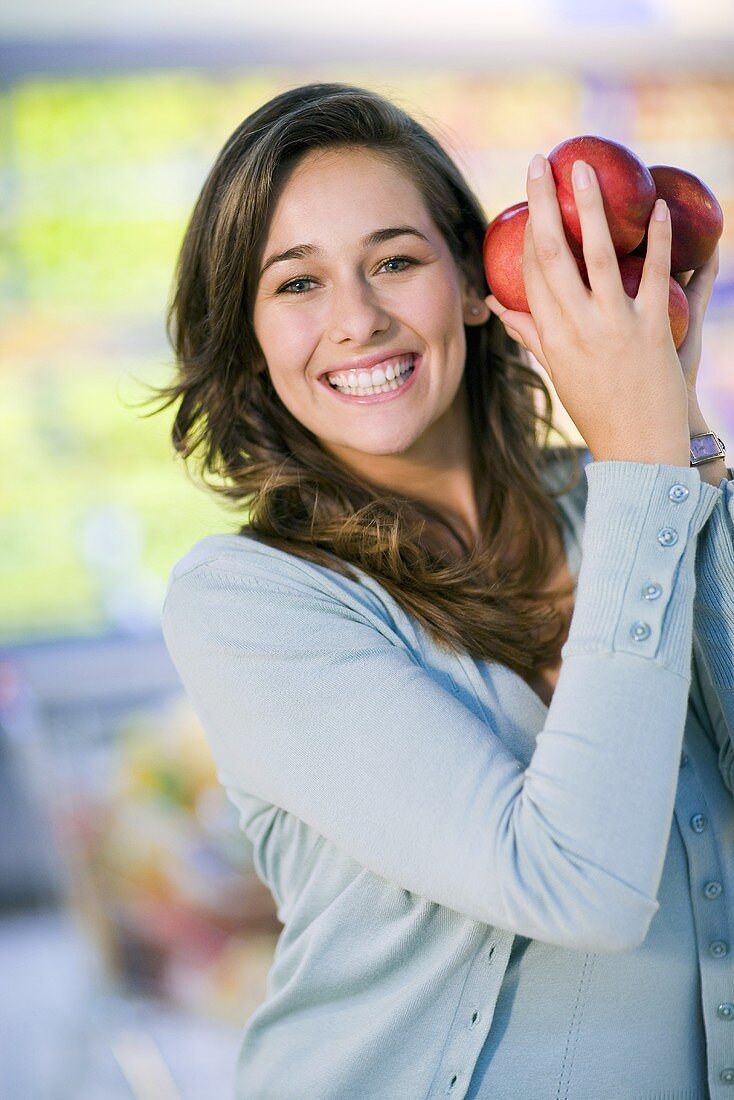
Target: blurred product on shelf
{"x":163,"y":877}
{"x":101,"y":755}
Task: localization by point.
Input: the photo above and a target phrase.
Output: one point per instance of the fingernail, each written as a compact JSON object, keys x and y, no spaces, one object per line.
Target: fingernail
{"x":580,"y":175}
{"x":536,"y":167}
{"x":660,"y":212}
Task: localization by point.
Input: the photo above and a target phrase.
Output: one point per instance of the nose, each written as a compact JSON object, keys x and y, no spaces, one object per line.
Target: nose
{"x":356,"y":313}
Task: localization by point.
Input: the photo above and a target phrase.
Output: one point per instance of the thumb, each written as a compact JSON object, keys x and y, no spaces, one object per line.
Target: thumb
{"x":521,"y":327}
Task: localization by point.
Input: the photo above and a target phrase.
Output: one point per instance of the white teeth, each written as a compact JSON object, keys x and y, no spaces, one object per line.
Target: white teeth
{"x":379,"y":380}
{"x":360,"y":391}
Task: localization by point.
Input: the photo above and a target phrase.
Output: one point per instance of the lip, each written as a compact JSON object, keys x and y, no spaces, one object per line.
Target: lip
{"x":369,"y":361}
{"x":377,"y":398}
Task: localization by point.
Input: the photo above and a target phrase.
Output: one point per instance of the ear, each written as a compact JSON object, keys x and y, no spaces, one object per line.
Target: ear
{"x":475,"y":309}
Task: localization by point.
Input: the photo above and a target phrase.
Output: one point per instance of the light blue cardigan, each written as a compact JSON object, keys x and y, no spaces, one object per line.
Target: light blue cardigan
{"x":484,"y":896}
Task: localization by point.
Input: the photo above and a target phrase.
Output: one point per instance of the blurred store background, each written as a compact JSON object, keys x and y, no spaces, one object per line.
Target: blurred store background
{"x":135,"y":935}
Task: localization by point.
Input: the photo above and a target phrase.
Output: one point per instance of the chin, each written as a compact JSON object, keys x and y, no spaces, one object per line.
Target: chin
{"x":384,"y":447}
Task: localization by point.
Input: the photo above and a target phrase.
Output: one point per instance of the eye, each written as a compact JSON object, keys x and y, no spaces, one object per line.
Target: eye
{"x":288,"y":288}
{"x":399,"y":260}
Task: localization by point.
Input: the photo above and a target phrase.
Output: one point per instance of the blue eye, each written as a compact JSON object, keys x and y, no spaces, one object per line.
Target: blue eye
{"x":399,"y":260}
{"x":292,"y":283}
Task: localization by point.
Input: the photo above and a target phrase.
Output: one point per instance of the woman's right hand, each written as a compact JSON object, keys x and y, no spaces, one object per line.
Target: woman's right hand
{"x":611,"y":358}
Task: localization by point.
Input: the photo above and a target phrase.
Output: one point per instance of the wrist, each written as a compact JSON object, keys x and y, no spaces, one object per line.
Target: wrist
{"x":696,"y":420}
{"x":711,"y":472}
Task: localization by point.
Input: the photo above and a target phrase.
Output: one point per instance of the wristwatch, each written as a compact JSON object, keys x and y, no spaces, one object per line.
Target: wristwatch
{"x":706,"y":448}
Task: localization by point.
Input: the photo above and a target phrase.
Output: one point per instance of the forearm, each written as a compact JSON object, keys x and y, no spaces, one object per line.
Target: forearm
{"x":711,"y":472}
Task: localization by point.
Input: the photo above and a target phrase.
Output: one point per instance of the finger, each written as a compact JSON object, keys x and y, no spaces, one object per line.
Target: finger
{"x":520,"y":326}
{"x":600,"y":257}
{"x":699,"y":287}
{"x":654,"y":289}
{"x":537,"y":290}
{"x":544,"y":306}
{"x":552,"y":255}
{"x":698,"y":291}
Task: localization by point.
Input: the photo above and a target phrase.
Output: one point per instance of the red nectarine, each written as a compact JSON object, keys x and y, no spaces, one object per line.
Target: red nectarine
{"x":627,"y":188}
{"x":503,"y":248}
{"x":630,"y":268}
{"x":696,"y":219}
{"x":504,"y":241}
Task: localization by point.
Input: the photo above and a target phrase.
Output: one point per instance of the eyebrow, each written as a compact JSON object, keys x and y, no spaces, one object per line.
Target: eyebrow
{"x":301,"y":251}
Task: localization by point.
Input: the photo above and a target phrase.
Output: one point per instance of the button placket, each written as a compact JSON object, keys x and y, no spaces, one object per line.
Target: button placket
{"x":641,"y":630}
{"x":468,"y":1033}
{"x":703,"y":862}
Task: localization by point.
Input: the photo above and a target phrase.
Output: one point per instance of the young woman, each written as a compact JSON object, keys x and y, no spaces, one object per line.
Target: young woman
{"x":450,"y":691}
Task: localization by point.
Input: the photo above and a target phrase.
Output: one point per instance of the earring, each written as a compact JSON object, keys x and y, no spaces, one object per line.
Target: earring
{"x":474,"y":310}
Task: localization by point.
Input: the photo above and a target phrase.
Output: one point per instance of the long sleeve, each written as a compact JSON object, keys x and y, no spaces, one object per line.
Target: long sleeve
{"x":316,"y":705}
{"x":713,"y":623}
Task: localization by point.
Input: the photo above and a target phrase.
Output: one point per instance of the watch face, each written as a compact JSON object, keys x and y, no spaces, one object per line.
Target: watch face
{"x":706,"y":447}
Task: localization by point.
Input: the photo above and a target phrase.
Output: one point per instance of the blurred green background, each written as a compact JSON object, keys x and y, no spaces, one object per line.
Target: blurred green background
{"x":99,"y":175}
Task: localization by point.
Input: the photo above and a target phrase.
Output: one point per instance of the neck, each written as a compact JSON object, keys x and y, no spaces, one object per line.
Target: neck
{"x":438,"y":470}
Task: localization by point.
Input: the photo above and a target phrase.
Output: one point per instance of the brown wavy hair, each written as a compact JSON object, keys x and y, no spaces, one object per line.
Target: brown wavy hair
{"x":486,"y":599}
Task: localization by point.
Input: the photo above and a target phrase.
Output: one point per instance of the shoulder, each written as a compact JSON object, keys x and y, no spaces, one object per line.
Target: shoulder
{"x":237,"y":562}
{"x":251,"y":561}
{"x":239,"y":576}
{"x":242,"y":554}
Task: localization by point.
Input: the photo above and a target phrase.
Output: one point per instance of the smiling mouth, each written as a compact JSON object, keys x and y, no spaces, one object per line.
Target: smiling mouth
{"x":348,"y":385}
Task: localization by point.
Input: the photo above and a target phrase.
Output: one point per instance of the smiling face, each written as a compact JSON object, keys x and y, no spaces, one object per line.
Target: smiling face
{"x":371,"y":281}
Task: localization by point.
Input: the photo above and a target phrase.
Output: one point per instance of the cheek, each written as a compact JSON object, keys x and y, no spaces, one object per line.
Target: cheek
{"x":440,"y":308}
{"x":287,"y":342}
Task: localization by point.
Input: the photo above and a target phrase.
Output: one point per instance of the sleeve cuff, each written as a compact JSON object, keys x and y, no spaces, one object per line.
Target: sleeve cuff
{"x":637,"y":577}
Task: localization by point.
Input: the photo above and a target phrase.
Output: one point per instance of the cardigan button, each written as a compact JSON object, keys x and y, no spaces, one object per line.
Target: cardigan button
{"x":727,"y":1076}
{"x":718,"y":948}
{"x":640,"y":631}
{"x":726,"y":1011}
{"x":652,"y":590}
{"x":712,"y":889}
{"x":678,"y":492}
{"x":698,"y":823}
{"x":667,"y":536}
